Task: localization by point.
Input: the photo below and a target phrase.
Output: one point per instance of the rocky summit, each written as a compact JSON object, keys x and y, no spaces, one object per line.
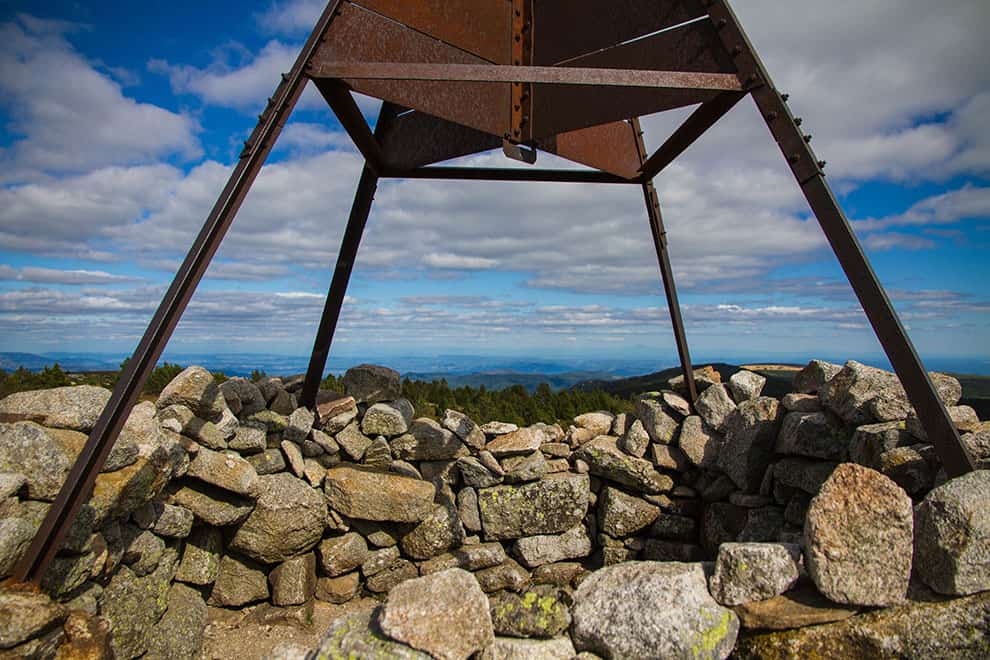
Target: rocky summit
{"x":817,"y":524}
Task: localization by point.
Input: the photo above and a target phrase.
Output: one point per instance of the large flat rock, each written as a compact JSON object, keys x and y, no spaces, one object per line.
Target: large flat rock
{"x":549,"y":506}
{"x":370,"y":495}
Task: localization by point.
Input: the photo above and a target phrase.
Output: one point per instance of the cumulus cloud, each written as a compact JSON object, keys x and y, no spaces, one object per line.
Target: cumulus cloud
{"x":70,"y":117}
{"x":56,"y":276}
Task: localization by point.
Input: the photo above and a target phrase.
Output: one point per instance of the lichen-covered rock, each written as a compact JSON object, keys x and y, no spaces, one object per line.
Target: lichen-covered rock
{"x":288,"y":519}
{"x":180,"y":419}
{"x":15,"y":537}
{"x":179,"y":633}
{"x":164,"y":519}
{"x":358,"y":635}
{"x":549,"y":506}
{"x":858,"y":538}
{"x":511,"y":648}
{"x":698,"y":442}
{"x":427,"y":441}
{"x":338,"y":589}
{"x":369,"y":495}
{"x":445,"y":614}
{"x":651,"y":610}
{"x":293,"y":582}
{"x":467,"y":509}
{"x":25,"y":615}
{"x":353,"y":441}
{"x":817,"y":435}
{"x":919,"y":631}
{"x":621,"y":515}
{"x":269,"y":461}
{"x":464,"y":428}
{"x":542,"y":549}
{"x":599,"y":423}
{"x":524,"y":441}
{"x":871,"y":440}
{"x":40,"y":455}
{"x":909,"y":468}
{"x":750,"y":434}
{"x":240,"y":581}
{"x":134,"y":604}
{"x":370,"y":383}
{"x":529,"y":467}
{"x":952,"y":535}
{"x":385,"y":419}
{"x":437,"y":533}
{"x":540,"y":611}
{"x":507,"y":575}
{"x":714,"y":405}
{"x":796,"y":402}
{"x":201,"y":557}
{"x":635,"y":440}
{"x":804,"y":474}
{"x":242,"y":396}
{"x":224,"y":470}
{"x":397,"y":572}
{"x":468,"y":557}
{"x":212,"y":505}
{"x":76,"y":407}
{"x":745,"y":385}
{"x":660,"y":426}
{"x":606,"y":460}
{"x":704,"y":377}
{"x":811,"y":379}
{"x":196,"y":389}
{"x":745,"y":572}
{"x":342,"y":554}
{"x":476,"y":475}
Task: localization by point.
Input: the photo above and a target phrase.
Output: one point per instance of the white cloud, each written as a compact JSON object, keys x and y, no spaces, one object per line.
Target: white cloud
{"x":290,"y":16}
{"x":71,"y":117}
{"x":56,"y":276}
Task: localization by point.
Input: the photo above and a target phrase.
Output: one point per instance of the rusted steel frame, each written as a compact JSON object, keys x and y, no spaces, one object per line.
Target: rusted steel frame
{"x":693,"y":128}
{"x":897,"y":345}
{"x":521,"y":91}
{"x":339,"y":98}
{"x":79,"y":483}
{"x":506,"y":174}
{"x":666,"y":272}
{"x":360,"y":210}
{"x":552,"y":75}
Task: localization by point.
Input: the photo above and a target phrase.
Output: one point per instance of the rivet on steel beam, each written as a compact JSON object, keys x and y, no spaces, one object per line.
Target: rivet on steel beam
{"x":798,"y":121}
{"x":771,"y":116}
{"x":807,"y":138}
{"x":285,"y":76}
{"x":517,"y":107}
{"x":822,"y":164}
{"x":793,"y":158}
{"x":784,"y":97}
{"x":518,"y":38}
{"x":720,"y":23}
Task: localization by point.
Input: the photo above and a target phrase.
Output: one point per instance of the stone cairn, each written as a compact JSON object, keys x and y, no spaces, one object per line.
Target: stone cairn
{"x":658,"y":534}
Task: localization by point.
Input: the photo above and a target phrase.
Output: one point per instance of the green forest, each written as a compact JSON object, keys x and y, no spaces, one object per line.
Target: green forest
{"x":513,"y":404}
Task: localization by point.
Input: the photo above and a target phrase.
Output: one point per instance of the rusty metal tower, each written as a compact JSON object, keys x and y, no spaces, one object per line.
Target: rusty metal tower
{"x":458,"y":77}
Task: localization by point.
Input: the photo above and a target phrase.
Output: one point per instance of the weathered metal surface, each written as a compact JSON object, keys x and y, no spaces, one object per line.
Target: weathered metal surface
{"x":343,"y":105}
{"x":79,"y":482}
{"x":550,"y":75}
{"x":666,"y":272}
{"x":880,"y":312}
{"x":692,"y":48}
{"x":360,"y":35}
{"x":415,"y":139}
{"x":521,"y":92}
{"x":693,"y":128}
{"x":609,"y":147}
{"x":570,"y":28}
{"x":481,"y":28}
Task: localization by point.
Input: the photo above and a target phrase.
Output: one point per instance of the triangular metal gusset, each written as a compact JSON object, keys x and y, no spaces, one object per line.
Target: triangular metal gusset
{"x":459,"y":77}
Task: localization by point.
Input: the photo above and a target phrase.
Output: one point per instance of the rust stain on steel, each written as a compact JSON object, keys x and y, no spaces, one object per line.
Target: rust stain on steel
{"x":551,"y":75}
{"x":609,"y":147}
{"x":691,"y":48}
{"x":416,"y":139}
{"x":570,"y":28}
{"x":520,"y":127}
{"x":360,"y":35}
{"x":481,"y":28}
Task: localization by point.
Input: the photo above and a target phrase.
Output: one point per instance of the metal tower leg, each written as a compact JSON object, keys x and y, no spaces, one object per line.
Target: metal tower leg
{"x":808,"y":172}
{"x":360,"y":210}
{"x":666,"y":273}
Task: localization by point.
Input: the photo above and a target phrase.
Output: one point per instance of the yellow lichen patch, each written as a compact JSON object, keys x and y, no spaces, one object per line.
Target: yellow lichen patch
{"x":712,"y":636}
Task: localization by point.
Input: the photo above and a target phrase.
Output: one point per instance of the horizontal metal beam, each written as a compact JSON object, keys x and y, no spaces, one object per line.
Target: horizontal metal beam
{"x":506,"y":174}
{"x":687,"y":133}
{"x":526,"y":74}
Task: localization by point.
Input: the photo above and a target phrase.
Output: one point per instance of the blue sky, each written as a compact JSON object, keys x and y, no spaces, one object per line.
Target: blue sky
{"x":121,"y":121}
